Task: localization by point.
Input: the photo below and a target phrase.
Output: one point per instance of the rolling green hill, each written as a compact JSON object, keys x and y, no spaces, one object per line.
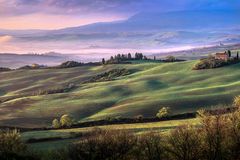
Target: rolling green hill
{"x":149,"y":87}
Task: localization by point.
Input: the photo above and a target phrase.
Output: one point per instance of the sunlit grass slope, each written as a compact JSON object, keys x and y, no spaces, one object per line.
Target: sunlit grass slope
{"x":150,"y":87}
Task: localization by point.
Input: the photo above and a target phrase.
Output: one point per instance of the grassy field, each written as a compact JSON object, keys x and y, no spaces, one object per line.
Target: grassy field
{"x":150,"y":87}
{"x":69,"y":135}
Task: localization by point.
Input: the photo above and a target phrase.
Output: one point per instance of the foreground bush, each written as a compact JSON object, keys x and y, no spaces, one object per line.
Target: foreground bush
{"x":151,"y":146}
{"x":11,"y":146}
{"x":236,"y":101}
{"x":184,"y":143}
{"x":108,"y":145}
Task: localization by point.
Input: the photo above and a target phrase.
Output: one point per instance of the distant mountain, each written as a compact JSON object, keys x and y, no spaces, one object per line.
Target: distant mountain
{"x":146,"y":32}
{"x":158,"y":21}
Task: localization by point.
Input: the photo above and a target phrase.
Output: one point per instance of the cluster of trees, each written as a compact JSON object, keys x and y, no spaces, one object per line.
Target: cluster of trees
{"x":119,"y":58}
{"x":64,"y":122}
{"x":122,"y":58}
{"x":209,"y":63}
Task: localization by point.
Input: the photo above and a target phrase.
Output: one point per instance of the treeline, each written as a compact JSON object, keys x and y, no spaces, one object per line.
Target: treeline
{"x":3,"y":69}
{"x":117,"y":59}
{"x":120,"y":58}
{"x":126,"y":58}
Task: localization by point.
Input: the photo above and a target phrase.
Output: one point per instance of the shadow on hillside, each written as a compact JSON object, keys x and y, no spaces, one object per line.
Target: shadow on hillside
{"x":120,"y":90}
{"x":2,"y":93}
{"x":155,"y":84}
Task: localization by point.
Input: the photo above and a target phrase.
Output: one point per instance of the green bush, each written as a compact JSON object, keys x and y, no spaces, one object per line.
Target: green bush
{"x":163,"y":112}
{"x":56,"y":123}
{"x":66,"y":121}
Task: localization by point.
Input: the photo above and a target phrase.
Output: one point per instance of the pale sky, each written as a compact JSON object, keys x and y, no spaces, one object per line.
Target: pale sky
{"x":55,"y":14}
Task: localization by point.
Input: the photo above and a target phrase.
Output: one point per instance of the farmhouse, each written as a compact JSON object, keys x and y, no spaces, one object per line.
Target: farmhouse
{"x":223,"y":56}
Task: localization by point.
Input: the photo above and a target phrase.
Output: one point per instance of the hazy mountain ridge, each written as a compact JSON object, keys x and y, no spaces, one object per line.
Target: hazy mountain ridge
{"x":12,"y":60}
{"x":142,"y":32}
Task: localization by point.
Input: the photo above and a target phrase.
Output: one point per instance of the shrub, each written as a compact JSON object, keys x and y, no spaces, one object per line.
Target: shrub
{"x":236,"y":101}
{"x":66,"y":121}
{"x":11,"y":146}
{"x":138,"y":118}
{"x":234,"y":134}
{"x":56,"y":123}
{"x":150,"y":147}
{"x":70,"y":64}
{"x":214,"y":130}
{"x":109,"y":75}
{"x":163,"y":112}
{"x":201,"y":113}
{"x":108,"y":145}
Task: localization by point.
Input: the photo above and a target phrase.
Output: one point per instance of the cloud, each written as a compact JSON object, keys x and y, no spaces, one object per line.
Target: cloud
{"x":4,"y":39}
{"x":16,"y":7}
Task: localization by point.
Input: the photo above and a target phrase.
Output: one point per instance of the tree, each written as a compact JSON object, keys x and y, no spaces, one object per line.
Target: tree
{"x":163,"y":112}
{"x":138,"y":56}
{"x":154,"y":58}
{"x":111,"y":58}
{"x":66,"y":121}
{"x":103,"y":61}
{"x":56,"y":123}
{"x":237,"y":55}
{"x":129,"y":56}
{"x":229,"y":53}
{"x":170,"y":58}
